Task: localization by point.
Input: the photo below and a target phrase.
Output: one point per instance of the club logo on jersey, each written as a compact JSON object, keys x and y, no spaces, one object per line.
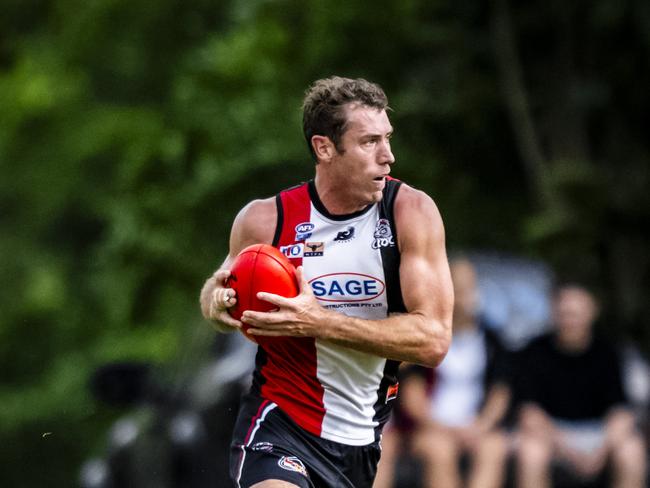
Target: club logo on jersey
{"x":345,"y":235}
{"x":347,"y":287}
{"x":383,"y":236}
{"x":293,"y":250}
{"x":262,"y":446}
{"x":304,"y":230}
{"x":292,"y":463}
{"x":313,"y":249}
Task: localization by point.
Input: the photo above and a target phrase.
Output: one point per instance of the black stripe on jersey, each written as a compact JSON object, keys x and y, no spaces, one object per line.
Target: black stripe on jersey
{"x":278,"y":227}
{"x":258,"y":379}
{"x":390,"y":256}
{"x":390,"y":259}
{"x":383,"y":407}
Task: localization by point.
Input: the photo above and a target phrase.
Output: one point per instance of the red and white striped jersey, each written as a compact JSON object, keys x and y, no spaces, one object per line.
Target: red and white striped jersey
{"x":352,"y":264}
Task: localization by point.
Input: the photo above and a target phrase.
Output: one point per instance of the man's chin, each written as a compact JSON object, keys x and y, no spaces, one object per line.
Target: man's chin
{"x":377,"y":196}
{"x":371,"y":197}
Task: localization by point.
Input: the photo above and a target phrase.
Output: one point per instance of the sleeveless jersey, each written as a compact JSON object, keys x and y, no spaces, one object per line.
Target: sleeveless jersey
{"x":352,"y":264}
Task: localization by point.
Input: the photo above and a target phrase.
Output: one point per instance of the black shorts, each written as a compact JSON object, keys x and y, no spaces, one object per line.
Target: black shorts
{"x":267,"y":444}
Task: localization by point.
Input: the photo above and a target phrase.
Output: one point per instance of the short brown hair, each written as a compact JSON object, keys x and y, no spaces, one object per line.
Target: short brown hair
{"x":323,"y":109}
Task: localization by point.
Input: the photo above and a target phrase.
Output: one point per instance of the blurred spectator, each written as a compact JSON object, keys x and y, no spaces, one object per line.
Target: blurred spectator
{"x":447,"y":414}
{"x":574,"y":412}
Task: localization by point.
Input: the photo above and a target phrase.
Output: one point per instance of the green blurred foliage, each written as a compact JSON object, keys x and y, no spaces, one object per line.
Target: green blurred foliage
{"x":132,"y":132}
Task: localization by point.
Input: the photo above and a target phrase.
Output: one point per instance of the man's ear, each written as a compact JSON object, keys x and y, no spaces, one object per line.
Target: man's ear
{"x":323,"y":147}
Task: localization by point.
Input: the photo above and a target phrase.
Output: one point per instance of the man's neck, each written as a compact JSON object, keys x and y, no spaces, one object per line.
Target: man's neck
{"x":574,"y":345}
{"x":332,"y":196}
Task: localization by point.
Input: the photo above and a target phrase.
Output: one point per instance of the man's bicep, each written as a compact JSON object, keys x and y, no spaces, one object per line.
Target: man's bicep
{"x":424,"y":271}
{"x":426,"y":285}
{"x":254,"y":224}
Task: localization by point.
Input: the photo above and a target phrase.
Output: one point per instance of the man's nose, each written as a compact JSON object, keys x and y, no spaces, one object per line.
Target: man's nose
{"x":386,"y":154}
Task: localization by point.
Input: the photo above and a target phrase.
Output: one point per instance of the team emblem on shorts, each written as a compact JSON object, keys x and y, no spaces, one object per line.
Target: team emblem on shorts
{"x":383,"y":236}
{"x":262,"y":446}
{"x":292,"y":463}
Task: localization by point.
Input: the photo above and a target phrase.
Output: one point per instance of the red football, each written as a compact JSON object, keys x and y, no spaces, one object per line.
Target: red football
{"x":260,"y":267}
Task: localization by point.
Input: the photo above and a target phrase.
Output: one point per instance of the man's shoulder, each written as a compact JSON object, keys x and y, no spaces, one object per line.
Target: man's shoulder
{"x":416,"y":214}
{"x":409,"y":194}
{"x":411,"y":201}
{"x":259,"y":208}
{"x":268,"y":206}
{"x":256,"y":222}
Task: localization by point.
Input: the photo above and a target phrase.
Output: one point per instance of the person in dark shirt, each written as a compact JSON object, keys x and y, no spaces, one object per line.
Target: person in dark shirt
{"x":573,"y":408}
{"x":455,"y":411}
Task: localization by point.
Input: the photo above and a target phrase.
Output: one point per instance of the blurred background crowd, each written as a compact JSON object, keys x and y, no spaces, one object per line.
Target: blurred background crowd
{"x":131,"y":132}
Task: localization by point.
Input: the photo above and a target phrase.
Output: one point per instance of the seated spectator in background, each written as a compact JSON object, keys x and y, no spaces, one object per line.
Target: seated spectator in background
{"x":448,"y":412}
{"x":573,"y":408}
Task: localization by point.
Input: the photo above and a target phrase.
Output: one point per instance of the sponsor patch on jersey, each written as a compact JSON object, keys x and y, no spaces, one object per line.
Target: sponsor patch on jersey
{"x":347,"y":287}
{"x":391,"y":393}
{"x":383,"y":235}
{"x":262,"y":446}
{"x":304,"y":231}
{"x":345,"y":235}
{"x":293,"y":250}
{"x":314,"y":249}
{"x":292,"y":463}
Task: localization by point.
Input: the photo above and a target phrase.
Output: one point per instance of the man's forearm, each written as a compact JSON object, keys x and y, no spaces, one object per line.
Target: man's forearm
{"x":408,"y":337}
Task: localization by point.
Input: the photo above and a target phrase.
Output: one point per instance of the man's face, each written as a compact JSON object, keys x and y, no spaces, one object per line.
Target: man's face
{"x":574,"y":312}
{"x":365,"y":156}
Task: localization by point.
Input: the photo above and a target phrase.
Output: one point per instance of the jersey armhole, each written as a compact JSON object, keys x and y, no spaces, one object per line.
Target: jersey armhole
{"x":390,"y":255}
{"x":280,"y":221}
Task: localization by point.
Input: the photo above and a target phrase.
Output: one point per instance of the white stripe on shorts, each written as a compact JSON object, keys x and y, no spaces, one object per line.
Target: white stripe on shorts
{"x":258,"y":424}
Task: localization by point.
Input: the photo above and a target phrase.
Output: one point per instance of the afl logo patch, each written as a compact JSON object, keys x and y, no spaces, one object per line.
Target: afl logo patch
{"x":304,"y":230}
{"x":383,"y":235}
{"x":292,"y":463}
{"x":304,"y":227}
